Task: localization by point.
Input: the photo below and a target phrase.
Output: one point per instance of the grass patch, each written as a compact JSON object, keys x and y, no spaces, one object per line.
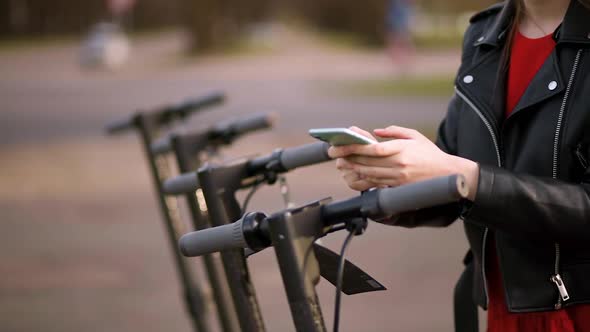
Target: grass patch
{"x":31,"y":43}
{"x":438,"y":86}
{"x":245,"y":46}
{"x":344,"y":41}
{"x":242,"y":46}
{"x":436,"y":41}
{"x":425,"y":40}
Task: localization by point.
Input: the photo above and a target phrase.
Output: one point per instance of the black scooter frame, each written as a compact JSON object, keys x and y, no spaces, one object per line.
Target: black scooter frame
{"x":149,"y":129}
{"x":219,"y":185}
{"x":187,"y":151}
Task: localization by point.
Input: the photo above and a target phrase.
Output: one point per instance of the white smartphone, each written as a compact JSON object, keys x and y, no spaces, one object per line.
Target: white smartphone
{"x":340,"y":136}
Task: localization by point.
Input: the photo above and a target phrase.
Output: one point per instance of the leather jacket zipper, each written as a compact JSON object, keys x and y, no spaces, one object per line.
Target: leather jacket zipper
{"x":488,"y":125}
{"x":556,"y":277}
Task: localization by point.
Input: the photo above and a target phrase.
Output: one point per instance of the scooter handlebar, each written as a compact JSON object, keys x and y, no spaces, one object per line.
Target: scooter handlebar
{"x":304,"y":155}
{"x":423,"y":194}
{"x":389,"y":201}
{"x":210,"y":240}
{"x":181,"y":184}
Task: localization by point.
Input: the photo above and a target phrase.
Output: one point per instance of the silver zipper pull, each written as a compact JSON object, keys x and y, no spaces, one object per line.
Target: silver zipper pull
{"x":556,"y":279}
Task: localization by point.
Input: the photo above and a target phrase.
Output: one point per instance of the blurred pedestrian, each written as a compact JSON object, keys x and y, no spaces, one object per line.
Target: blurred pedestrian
{"x":400,"y":46}
{"x":107,"y":45}
{"x":518,"y":129}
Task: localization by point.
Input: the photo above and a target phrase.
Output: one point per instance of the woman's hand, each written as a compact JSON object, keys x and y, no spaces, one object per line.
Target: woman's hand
{"x":352,"y":178}
{"x":408,"y":157}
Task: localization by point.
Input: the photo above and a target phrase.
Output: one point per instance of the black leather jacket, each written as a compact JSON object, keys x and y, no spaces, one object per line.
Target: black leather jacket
{"x":534,"y":181}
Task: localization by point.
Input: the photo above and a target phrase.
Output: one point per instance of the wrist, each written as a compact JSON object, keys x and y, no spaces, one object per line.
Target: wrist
{"x":470,"y":170}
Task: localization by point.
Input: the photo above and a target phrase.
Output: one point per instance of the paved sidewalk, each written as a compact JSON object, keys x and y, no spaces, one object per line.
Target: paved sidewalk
{"x":83,"y":248}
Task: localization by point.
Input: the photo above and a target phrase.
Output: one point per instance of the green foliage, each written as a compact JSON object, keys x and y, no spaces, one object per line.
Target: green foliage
{"x":431,"y":41}
{"x":213,"y":24}
{"x":33,"y":18}
{"x":362,"y":18}
{"x":366,"y":20}
{"x":218,"y":24}
{"x":436,"y":86}
{"x":455,"y":6}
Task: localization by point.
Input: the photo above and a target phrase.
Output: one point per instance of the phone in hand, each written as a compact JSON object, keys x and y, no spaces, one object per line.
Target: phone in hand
{"x":340,"y":136}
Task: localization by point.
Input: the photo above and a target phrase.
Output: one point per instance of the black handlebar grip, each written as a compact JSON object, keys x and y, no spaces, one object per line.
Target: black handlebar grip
{"x":253,"y":123}
{"x":214,"y":239}
{"x":423,"y":194}
{"x":121,"y":125}
{"x":192,"y":105}
{"x":181,"y":184}
{"x":161,"y":145}
{"x":304,"y":155}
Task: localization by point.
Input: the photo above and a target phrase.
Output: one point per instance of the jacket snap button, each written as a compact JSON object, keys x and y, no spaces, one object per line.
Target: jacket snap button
{"x":480,"y":39}
{"x":468,"y":79}
{"x":552,"y":85}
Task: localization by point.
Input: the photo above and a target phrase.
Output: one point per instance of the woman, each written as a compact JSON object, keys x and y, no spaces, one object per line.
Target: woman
{"x":518,"y":129}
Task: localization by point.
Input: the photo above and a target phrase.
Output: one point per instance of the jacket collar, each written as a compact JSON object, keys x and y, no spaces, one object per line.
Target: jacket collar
{"x":576,"y":25}
{"x":497,"y":32}
{"x":574,"y":29}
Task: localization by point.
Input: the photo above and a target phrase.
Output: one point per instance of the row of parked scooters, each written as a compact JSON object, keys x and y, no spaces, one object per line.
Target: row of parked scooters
{"x":219,"y":223}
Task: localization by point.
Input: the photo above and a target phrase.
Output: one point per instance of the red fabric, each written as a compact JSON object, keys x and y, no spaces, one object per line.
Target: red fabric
{"x":570,"y":319}
{"x":527,"y":57}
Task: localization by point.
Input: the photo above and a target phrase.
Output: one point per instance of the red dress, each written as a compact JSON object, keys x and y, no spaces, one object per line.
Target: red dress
{"x":527,"y":57}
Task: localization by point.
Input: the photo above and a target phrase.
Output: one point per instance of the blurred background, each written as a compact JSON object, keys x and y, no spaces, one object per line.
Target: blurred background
{"x":83,"y":247}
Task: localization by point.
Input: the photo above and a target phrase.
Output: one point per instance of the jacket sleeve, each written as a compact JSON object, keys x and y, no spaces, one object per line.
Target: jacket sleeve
{"x":540,"y":208}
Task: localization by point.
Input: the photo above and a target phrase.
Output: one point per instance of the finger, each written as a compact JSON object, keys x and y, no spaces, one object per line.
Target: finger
{"x":362,"y":132}
{"x":398,"y":132}
{"x":335,"y":152}
{"x":394,"y":179}
{"x":369,"y":161}
{"x":384,"y":183}
{"x":343,"y":164}
{"x":361,"y":185}
{"x":340,"y":151}
{"x":354,"y":182}
{"x":350,"y":176}
{"x":383,"y":149}
{"x":366,"y":172}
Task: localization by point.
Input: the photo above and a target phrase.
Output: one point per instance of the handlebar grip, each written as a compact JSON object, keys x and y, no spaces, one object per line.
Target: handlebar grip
{"x":253,"y":123}
{"x":423,"y":194}
{"x":120,"y":125}
{"x":161,"y":145}
{"x":181,"y":184}
{"x":196,"y":104}
{"x":212,"y":240}
{"x":304,"y":155}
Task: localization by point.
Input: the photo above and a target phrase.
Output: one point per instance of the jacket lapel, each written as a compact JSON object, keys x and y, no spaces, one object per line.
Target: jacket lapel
{"x":547,"y":83}
{"x":483,"y":85}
